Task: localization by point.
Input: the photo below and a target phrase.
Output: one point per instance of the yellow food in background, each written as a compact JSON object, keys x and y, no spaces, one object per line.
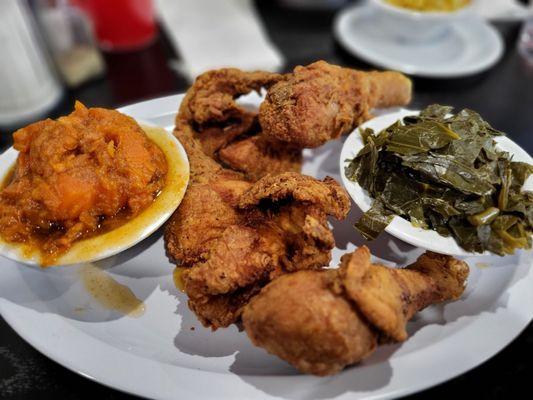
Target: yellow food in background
{"x":430,"y":5}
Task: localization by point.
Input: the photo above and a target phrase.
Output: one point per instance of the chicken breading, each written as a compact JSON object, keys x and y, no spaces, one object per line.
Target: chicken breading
{"x":322,"y":321}
{"x":320,"y":102}
{"x":230,"y":235}
{"x":251,"y":237}
{"x":304,"y":108}
{"x":258,"y":155}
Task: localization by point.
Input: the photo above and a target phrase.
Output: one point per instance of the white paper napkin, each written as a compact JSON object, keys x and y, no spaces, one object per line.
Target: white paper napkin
{"x":218,"y":33}
{"x":502,"y":9}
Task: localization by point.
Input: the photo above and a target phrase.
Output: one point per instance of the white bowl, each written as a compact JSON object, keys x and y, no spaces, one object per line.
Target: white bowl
{"x":400,"y":227}
{"x":417,"y":26}
{"x":132,"y":232}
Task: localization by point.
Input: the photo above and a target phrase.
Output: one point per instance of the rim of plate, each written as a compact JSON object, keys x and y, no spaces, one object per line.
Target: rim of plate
{"x":400,"y":227}
{"x":343,"y":19}
{"x":149,"y":378}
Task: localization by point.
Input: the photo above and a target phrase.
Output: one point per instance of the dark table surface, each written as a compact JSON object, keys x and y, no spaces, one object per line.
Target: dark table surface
{"x":503,"y":95}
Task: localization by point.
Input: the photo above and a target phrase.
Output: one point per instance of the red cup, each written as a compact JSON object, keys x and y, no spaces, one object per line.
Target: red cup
{"x":121,"y":25}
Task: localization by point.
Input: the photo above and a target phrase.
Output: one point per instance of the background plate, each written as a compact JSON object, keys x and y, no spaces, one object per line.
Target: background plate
{"x":159,"y":356}
{"x":469,"y":46}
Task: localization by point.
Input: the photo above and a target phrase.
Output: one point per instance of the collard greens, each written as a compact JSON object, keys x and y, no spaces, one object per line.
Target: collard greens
{"x":443,"y":172}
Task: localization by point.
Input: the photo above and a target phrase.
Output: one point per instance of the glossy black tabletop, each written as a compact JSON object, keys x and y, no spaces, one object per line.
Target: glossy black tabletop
{"x":502,"y":95}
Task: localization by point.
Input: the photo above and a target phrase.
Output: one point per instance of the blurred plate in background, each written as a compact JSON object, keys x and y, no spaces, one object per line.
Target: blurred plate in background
{"x":468,"y":46}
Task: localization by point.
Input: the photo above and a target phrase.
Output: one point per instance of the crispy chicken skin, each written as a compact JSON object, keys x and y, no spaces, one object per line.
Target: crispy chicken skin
{"x":229,"y":133}
{"x":322,"y":321}
{"x":215,"y":138}
{"x":299,"y":318}
{"x":225,"y":309}
{"x":304,"y":108}
{"x":230,"y":237}
{"x":211,"y":99}
{"x":302,"y":188}
{"x":320,"y":102}
{"x":257,"y":155}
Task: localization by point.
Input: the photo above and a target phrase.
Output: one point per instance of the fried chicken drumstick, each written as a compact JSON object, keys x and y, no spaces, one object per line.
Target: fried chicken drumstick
{"x":320,"y":102}
{"x":322,"y":321}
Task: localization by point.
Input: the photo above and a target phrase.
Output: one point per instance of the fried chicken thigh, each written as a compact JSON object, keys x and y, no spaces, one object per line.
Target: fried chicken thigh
{"x":322,"y":321}
{"x":320,"y":102}
{"x":230,"y":237}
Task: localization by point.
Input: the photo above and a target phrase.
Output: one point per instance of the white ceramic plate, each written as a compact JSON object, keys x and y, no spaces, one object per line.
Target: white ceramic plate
{"x":400,"y":227}
{"x":159,"y":356}
{"x":470,"y":45}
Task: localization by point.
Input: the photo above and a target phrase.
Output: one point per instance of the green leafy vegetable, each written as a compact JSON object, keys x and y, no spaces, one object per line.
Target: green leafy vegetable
{"x":420,"y":137}
{"x":443,"y":171}
{"x":374,"y":221}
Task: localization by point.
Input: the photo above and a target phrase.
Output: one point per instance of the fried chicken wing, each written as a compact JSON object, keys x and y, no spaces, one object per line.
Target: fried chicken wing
{"x":322,"y":321}
{"x":212,"y":96}
{"x":320,"y":102}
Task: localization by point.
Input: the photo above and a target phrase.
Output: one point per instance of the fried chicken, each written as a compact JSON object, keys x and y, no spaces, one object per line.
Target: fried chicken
{"x":231,"y":237}
{"x":299,"y":318}
{"x":320,"y":102}
{"x":211,"y":99}
{"x":281,"y":235}
{"x":321,"y":321}
{"x":251,"y":237}
{"x":305,"y":108}
{"x":257,"y":155}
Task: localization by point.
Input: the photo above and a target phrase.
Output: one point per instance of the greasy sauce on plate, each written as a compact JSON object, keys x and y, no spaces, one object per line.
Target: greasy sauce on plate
{"x":177,"y":276}
{"x":109,"y":293}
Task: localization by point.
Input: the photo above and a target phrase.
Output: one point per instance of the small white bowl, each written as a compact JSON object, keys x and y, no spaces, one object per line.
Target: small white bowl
{"x":400,"y":227}
{"x":132,"y":232}
{"x":417,"y":26}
